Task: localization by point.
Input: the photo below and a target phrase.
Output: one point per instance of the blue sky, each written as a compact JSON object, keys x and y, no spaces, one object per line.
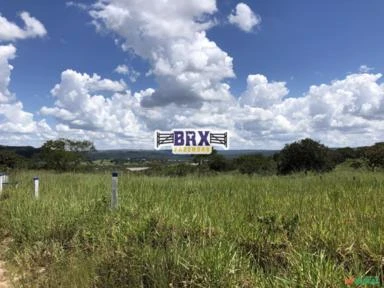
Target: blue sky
{"x":282,"y":48}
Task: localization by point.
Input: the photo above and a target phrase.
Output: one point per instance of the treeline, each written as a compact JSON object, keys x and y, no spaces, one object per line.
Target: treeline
{"x":301,"y":156}
{"x":60,"y":155}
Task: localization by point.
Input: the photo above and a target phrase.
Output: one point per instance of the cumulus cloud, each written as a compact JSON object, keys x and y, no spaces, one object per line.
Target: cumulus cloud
{"x":244,"y":17}
{"x":189,"y":68}
{"x":344,"y":112}
{"x":191,"y":72}
{"x":82,"y":110}
{"x":18,"y":126}
{"x":15,"y":123}
{"x":262,"y":93}
{"x":80,"y":104}
{"x":33,"y":28}
{"x":7,"y":52}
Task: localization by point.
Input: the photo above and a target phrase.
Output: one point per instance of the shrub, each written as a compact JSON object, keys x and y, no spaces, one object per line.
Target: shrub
{"x":305,"y":155}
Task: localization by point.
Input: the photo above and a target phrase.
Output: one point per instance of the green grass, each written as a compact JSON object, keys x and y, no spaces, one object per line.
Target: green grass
{"x":216,"y":231}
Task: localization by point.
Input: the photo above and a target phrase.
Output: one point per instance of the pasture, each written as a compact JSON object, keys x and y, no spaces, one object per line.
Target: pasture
{"x":226,"y":230}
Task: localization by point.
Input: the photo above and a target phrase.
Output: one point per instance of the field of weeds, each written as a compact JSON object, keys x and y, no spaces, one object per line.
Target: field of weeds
{"x":216,"y":231}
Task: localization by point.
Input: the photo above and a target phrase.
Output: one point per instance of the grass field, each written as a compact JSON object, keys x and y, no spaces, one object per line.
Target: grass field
{"x":216,"y":231}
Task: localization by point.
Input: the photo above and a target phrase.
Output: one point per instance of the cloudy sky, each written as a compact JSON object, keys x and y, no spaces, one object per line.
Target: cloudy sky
{"x":113,"y":71}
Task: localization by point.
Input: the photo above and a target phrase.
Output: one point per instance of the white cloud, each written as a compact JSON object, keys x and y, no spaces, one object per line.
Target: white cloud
{"x":82,"y":110}
{"x":131,"y":73}
{"x":122,"y":69}
{"x":191,"y":71}
{"x":345,"y":112}
{"x":15,"y":123}
{"x":79,"y":104}
{"x":188,"y":67}
{"x":261,"y":93}
{"x":33,"y":28}
{"x":7,"y":52}
{"x":365,"y":69}
{"x":80,"y":6}
{"x":244,"y":18}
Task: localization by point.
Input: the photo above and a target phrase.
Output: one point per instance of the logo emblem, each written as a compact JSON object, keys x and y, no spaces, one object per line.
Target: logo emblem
{"x":191,"y":141}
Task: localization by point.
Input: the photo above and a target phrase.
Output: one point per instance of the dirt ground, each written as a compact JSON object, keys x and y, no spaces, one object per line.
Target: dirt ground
{"x":4,"y":283}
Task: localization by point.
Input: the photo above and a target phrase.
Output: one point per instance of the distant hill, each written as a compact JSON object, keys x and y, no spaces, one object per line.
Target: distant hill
{"x":137,"y":155}
{"x":24,"y":151}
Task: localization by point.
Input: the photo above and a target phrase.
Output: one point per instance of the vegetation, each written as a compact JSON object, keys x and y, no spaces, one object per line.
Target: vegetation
{"x":217,"y":231}
{"x":64,"y":154}
{"x":209,"y":226}
{"x":305,"y":155}
{"x":375,"y":155}
{"x":9,"y":159}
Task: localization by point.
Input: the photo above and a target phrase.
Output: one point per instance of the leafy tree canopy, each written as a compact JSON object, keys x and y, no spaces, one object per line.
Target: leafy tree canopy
{"x":9,"y":159}
{"x":305,"y":155}
{"x":375,"y":155}
{"x":65,"y":154}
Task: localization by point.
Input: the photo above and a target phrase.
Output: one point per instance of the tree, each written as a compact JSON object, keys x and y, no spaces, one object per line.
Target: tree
{"x":9,"y":159}
{"x":375,"y":155}
{"x":65,"y":154}
{"x":304,"y":155}
{"x":217,"y":162}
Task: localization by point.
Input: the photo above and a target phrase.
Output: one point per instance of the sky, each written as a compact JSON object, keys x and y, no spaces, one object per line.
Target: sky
{"x":269,"y":72}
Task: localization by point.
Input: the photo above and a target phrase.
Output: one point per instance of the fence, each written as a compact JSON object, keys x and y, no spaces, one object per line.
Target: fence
{"x":4,"y":179}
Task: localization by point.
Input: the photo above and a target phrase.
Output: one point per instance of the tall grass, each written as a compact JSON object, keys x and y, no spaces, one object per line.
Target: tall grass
{"x":216,"y":231}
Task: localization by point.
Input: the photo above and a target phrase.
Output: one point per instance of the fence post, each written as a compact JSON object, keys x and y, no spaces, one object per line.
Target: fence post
{"x":114,"y":200}
{"x":1,"y":183}
{"x":36,"y":182}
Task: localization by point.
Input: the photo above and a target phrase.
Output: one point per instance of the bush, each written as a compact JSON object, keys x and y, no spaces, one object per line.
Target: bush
{"x":9,"y":159}
{"x":305,"y":155}
{"x":218,"y":163}
{"x":64,"y":154}
{"x":375,"y":155}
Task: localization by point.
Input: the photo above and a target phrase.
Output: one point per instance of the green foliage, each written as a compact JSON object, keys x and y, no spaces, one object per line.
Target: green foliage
{"x":9,"y":159}
{"x":305,"y":155}
{"x":65,"y":154}
{"x":217,"y":162}
{"x":214,"y":161}
{"x":347,"y":153}
{"x":255,"y":164}
{"x":356,"y":164}
{"x":23,"y":151}
{"x":375,"y":155}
